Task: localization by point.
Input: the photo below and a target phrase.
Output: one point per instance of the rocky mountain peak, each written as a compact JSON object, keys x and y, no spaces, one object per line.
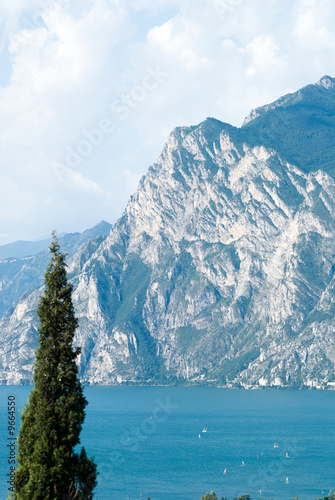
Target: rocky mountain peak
{"x":222,"y":267}
{"x":326,"y":82}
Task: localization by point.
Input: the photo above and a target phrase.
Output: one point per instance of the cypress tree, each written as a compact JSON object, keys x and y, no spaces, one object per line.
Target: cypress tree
{"x":48,"y":466}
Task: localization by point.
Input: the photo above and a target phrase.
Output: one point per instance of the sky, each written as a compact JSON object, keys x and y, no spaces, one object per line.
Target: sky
{"x":91,"y":89}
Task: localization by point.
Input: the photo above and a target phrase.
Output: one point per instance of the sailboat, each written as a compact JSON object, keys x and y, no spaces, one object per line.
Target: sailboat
{"x":287,"y":481}
{"x":276,"y":445}
{"x":287,"y":455}
{"x":205,"y":428}
{"x":242,"y":464}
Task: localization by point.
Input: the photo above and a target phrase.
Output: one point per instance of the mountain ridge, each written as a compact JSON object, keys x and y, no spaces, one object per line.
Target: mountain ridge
{"x":18,"y":275}
{"x":299,"y":126}
{"x":220,"y":270}
{"x":288,"y":99}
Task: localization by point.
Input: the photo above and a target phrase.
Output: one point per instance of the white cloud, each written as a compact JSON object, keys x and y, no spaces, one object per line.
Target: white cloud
{"x":79,"y":72}
{"x":69,"y":177}
{"x":264,"y":55}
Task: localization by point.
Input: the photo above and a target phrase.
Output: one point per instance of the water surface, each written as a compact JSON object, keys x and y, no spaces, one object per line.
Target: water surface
{"x":146,"y":442}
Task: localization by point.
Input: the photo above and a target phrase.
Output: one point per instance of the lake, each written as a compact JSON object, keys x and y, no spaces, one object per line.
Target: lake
{"x":148,"y":441}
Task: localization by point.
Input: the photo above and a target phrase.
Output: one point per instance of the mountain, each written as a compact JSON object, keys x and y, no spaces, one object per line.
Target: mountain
{"x":221,"y":269}
{"x":19,"y":275}
{"x":299,"y":126}
{"x":20,"y":249}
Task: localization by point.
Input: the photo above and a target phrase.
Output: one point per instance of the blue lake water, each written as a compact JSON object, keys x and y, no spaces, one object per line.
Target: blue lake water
{"x":146,"y":441}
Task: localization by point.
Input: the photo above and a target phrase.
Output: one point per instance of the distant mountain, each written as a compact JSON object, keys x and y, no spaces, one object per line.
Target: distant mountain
{"x":221,"y":269}
{"x":20,"y":249}
{"x":19,"y":275}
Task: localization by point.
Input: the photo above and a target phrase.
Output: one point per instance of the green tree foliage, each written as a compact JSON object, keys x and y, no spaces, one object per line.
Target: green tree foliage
{"x":209,"y":496}
{"x":48,"y":466}
{"x":212,"y":496}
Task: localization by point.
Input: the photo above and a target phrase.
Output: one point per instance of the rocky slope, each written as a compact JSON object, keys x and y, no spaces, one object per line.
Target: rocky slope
{"x":220,"y":270}
{"x":20,"y":275}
